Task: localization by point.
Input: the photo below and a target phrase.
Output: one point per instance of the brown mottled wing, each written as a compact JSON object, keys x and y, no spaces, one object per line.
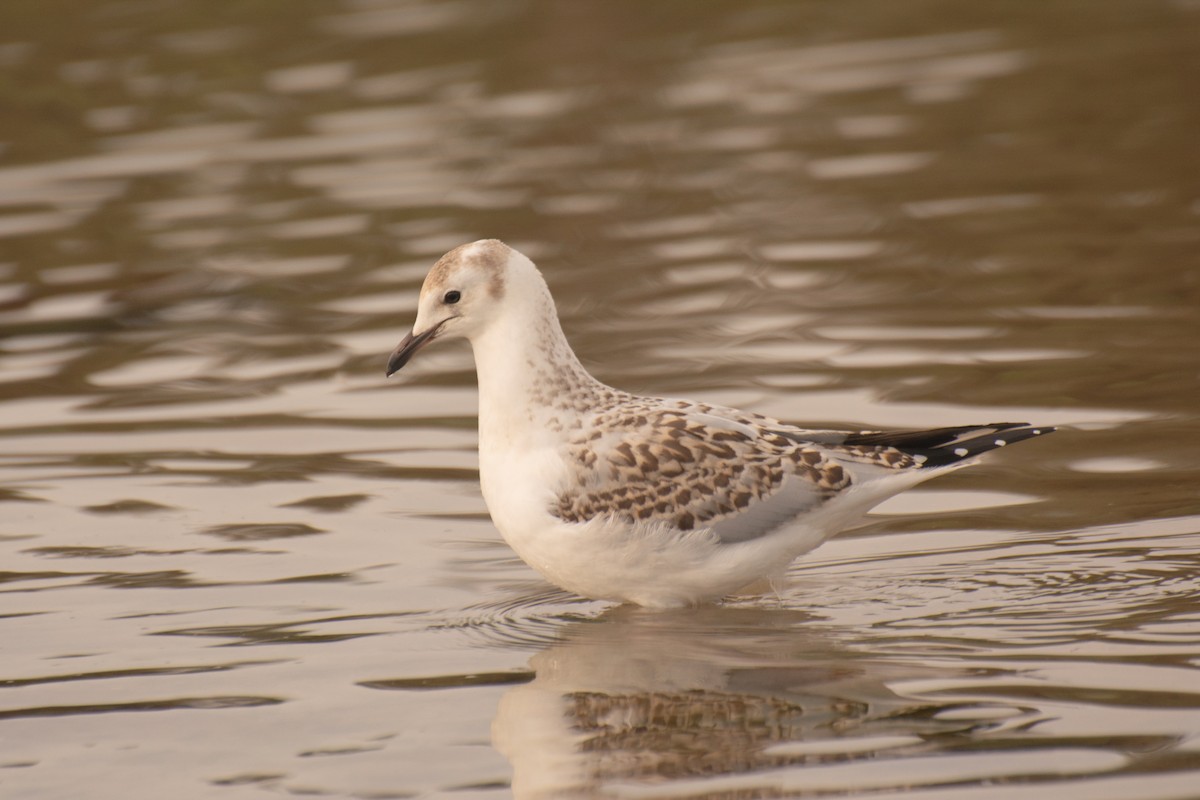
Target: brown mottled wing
{"x":694,"y":468}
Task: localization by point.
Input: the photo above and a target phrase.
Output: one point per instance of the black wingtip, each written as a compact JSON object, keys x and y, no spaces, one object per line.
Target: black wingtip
{"x":941,"y":447}
{"x":991,"y":437}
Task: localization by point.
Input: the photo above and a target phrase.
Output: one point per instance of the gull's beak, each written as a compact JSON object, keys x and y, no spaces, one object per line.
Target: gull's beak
{"x":409,"y":347}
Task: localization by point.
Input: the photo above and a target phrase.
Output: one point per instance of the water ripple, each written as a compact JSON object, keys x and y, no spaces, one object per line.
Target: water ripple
{"x":215,"y":226}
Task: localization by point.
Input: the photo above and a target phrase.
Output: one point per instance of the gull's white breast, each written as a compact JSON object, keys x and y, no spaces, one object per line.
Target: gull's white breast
{"x":648,"y":563}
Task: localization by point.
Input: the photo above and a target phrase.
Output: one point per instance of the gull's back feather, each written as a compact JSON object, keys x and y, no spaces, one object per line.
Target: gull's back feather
{"x":645,"y":460}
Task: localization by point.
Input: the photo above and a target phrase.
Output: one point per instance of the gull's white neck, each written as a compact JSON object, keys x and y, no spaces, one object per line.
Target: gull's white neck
{"x":529,"y":378}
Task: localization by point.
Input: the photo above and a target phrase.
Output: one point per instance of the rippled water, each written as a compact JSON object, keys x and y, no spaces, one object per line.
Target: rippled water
{"x":235,"y":560}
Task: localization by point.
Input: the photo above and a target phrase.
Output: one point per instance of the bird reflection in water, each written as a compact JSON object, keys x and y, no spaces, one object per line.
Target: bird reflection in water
{"x":636,"y":699}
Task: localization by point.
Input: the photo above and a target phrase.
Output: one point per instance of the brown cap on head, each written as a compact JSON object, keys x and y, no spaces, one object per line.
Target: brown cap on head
{"x":490,"y":255}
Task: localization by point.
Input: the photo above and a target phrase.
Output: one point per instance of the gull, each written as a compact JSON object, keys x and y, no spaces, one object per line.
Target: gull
{"x":657,"y":502}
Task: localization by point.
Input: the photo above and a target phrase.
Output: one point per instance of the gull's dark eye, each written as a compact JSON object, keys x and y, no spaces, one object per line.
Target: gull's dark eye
{"x":451,"y":297}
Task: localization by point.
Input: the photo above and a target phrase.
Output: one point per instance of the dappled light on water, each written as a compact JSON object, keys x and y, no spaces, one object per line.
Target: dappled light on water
{"x":216,"y":513}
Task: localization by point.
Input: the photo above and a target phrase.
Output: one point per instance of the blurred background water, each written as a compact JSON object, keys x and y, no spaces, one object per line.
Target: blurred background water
{"x":236,"y":561}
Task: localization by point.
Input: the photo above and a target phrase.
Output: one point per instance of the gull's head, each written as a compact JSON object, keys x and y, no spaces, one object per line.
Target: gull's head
{"x":462,"y":294}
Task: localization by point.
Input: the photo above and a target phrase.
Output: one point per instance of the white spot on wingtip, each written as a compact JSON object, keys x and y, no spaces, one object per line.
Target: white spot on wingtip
{"x":1000,"y":443}
{"x":961,"y":451}
{"x":1036,"y":431}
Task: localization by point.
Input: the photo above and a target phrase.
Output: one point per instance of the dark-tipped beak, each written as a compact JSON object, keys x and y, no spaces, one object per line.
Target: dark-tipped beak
{"x":408,"y":348}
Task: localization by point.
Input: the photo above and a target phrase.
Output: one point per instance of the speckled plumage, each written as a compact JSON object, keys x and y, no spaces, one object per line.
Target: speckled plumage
{"x":689,"y":465}
{"x":654,"y":501}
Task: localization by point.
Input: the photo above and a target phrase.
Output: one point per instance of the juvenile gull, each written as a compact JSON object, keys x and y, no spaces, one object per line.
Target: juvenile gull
{"x":641,"y":499}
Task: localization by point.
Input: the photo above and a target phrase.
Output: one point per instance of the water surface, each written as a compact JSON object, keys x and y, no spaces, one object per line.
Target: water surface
{"x":237,"y":561}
